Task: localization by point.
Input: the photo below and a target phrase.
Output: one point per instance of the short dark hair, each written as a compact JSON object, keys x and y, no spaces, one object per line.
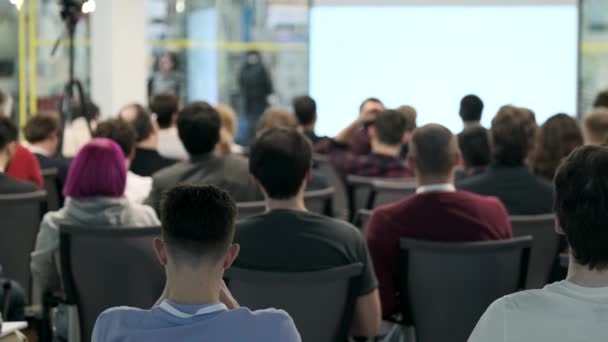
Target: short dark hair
{"x":471,"y":108}
{"x":390,"y":127}
{"x":141,"y":123}
{"x":474,"y":143}
{"x":305,"y":108}
{"x":198,"y":125}
{"x":197,"y":221}
{"x":164,"y":106}
{"x":369,"y":99}
{"x":91,"y":110}
{"x":8,"y":132}
{"x":513,"y":133}
{"x":433,"y":148}
{"x":601,"y":100}
{"x":280,"y":159}
{"x":40,"y":127}
{"x":119,"y":131}
{"x":581,"y":197}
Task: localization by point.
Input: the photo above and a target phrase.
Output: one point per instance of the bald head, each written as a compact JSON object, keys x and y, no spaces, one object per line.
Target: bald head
{"x":434,"y":151}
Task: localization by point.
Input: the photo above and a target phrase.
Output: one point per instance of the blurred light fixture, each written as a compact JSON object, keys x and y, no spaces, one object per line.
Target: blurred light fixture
{"x":89,"y":6}
{"x":17,"y":3}
{"x":180,"y":6}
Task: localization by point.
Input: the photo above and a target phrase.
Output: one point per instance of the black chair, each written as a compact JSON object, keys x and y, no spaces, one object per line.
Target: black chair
{"x":359,"y":191}
{"x":385,"y":191}
{"x":20,"y":216}
{"x":446,"y":287}
{"x":53,"y":189}
{"x":105,"y":267}
{"x":545,"y":246}
{"x":320,"y":201}
{"x":362,"y":219}
{"x":321,"y":303}
{"x":340,"y":199}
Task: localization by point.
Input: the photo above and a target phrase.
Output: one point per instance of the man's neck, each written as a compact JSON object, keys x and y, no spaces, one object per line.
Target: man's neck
{"x":468,"y":124}
{"x":583,"y":276}
{"x":3,"y":162}
{"x":295,"y":203}
{"x":386,"y":150}
{"x":422,"y":180}
{"x":42,"y":148}
{"x":193,"y":287}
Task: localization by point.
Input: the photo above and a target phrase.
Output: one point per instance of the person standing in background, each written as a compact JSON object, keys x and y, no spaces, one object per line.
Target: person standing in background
{"x":166,"y":78}
{"x":255,"y":85}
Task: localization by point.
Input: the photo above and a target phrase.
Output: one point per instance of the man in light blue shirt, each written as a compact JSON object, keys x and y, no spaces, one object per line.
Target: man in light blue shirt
{"x":196,"y":248}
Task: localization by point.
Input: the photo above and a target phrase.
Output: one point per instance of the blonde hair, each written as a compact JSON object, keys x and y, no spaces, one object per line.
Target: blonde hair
{"x":596,"y":126}
{"x":410,"y":115}
{"x":228,"y":118}
{"x":276,"y":117}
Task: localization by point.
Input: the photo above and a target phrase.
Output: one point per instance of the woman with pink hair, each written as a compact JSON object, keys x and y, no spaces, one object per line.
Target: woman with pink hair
{"x":94,"y":193}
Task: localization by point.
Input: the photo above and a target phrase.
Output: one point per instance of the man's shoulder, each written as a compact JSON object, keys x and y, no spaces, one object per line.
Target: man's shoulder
{"x":472,"y":182}
{"x":172,"y":172}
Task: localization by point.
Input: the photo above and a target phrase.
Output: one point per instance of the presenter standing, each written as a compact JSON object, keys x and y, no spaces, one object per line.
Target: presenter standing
{"x":255,"y":85}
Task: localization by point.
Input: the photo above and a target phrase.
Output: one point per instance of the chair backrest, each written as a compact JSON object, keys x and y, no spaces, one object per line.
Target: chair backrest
{"x":321,"y":303}
{"x":340,"y":199}
{"x":446,"y":287}
{"x":320,"y":201}
{"x":359,"y":193}
{"x":545,"y":247}
{"x":362,"y":219}
{"x":108,"y":267}
{"x":53,"y":189}
{"x":20,"y":222}
{"x":385,"y":191}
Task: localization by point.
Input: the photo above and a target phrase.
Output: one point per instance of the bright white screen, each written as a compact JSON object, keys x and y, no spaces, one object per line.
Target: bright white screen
{"x":431,"y":56}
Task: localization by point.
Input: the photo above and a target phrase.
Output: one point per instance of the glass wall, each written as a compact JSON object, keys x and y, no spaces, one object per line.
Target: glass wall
{"x":594,"y":51}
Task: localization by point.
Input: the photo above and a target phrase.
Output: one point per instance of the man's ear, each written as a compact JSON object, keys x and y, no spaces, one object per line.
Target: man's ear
{"x":558,"y":227}
{"x":231,"y":254}
{"x":161,"y":251}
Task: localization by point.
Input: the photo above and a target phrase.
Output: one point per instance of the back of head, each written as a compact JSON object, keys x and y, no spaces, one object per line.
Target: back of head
{"x":581,"y":187}
{"x":140,"y":120}
{"x":40,"y":127}
{"x":99,"y":169}
{"x":601,"y":100}
{"x":120,"y":132}
{"x":164,"y":106}
{"x":280,"y":159}
{"x":276,"y":117}
{"x":198,"y":222}
{"x":471,"y":108}
{"x":512,"y":133}
{"x":410,"y":114}
{"x":8,"y":132}
{"x":556,"y":139}
{"x":434,"y":150}
{"x":370,"y":100}
{"x":228,"y":118}
{"x":198,"y":125}
{"x":91,"y":110}
{"x":390,"y":127}
{"x":305,"y":109}
{"x":474,"y":143}
{"x":596,"y":126}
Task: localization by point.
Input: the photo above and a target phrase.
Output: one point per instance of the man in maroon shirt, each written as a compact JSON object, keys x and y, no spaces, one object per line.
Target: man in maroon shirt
{"x":437,"y":212}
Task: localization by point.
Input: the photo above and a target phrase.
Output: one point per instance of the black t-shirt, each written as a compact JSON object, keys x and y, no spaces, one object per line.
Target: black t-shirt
{"x":295,"y":241}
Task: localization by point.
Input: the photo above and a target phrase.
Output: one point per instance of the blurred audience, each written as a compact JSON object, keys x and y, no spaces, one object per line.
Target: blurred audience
{"x":305,"y":109}
{"x":508,"y":177}
{"x":94,"y":193}
{"x":228,"y":132}
{"x":438,"y":212}
{"x":356,"y":135}
{"x":471,"y":109}
{"x":556,"y":139}
{"x":42,"y":133}
{"x":595,"y":127}
{"x":8,"y":146}
{"x":137,"y":187}
{"x":147,"y":160}
{"x":572,"y":309}
{"x":199,"y":126}
{"x":77,"y":131}
{"x":474,"y":143}
{"x":387,"y":135}
{"x":281,"y":161}
{"x":166,"y":107}
{"x":195,"y":250}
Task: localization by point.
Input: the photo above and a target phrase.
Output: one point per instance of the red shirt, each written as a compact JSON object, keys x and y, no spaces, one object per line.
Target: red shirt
{"x":434,"y":216}
{"x":24,"y":166}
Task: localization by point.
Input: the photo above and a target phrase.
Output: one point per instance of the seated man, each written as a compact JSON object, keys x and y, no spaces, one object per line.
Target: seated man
{"x":147,"y":159}
{"x":508,"y":177}
{"x":573,"y":309}
{"x":474,"y":143}
{"x":437,"y":212}
{"x":42,"y":133}
{"x":471,"y":108}
{"x":288,"y":237}
{"x":8,"y":146}
{"x":195,"y":249}
{"x":199,"y":125}
{"x":122,"y":133}
{"x":595,"y":127}
{"x":387,"y":136}
{"x":305,"y":109}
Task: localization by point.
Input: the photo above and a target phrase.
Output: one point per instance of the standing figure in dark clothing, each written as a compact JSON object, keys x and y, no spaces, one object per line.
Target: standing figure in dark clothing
{"x":255,"y":85}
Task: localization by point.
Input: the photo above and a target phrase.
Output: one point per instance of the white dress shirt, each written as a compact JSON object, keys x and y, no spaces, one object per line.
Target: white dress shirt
{"x":169,"y":144}
{"x":138,"y":188}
